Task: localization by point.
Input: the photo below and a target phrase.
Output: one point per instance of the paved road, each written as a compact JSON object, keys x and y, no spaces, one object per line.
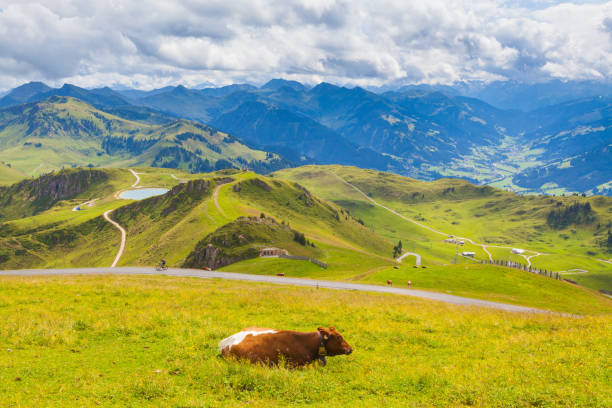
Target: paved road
{"x":196,"y":273}
{"x":137,"y":177}
{"x":418,"y":257}
{"x":123,"y":237}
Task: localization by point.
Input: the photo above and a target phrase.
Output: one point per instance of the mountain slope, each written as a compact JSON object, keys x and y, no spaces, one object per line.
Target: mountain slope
{"x":187,"y":103}
{"x":103,"y":97}
{"x":498,"y":219}
{"x":572,"y":127}
{"x":172,"y":224}
{"x":232,"y":215}
{"x":591,"y":170}
{"x":30,"y":197}
{"x":422,"y":131}
{"x":64,"y":132}
{"x":529,"y":97}
{"x":296,"y":137}
{"x":23,"y":93}
{"x":9,"y":175}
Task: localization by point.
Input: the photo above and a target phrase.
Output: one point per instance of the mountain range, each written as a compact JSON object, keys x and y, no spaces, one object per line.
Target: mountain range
{"x":552,"y":138}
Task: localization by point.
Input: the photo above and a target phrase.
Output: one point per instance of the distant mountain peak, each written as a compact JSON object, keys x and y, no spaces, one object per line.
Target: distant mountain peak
{"x":278,"y":83}
{"x":23,"y":93}
{"x":181,"y":90}
{"x":69,"y":87}
{"x":33,"y":85}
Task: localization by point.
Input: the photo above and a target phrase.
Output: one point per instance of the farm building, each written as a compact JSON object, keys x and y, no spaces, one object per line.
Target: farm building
{"x":454,"y":241}
{"x":470,"y":254}
{"x":273,"y":251}
{"x":517,"y":251}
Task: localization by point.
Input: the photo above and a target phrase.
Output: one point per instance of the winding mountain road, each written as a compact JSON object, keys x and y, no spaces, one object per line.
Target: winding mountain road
{"x":216,"y":199}
{"x":116,"y":224}
{"x":178,"y":179}
{"x":137,"y":178}
{"x":483,"y":246}
{"x":123,"y":237}
{"x":196,"y":273}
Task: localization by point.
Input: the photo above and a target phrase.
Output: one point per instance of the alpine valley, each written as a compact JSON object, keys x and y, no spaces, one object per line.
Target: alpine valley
{"x":549,"y":138}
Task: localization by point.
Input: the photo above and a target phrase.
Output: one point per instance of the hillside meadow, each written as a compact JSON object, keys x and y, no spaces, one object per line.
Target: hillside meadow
{"x":175,"y":227}
{"x":152,"y":341}
{"x":486,"y":215}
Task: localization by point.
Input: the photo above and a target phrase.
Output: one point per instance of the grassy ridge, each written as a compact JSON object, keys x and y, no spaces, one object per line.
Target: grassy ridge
{"x":59,"y":132}
{"x":171,"y":226}
{"x":9,"y":175}
{"x":144,"y":341}
{"x":484,"y":214}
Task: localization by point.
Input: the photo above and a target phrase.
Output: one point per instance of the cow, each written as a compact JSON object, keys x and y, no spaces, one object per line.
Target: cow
{"x":389,"y":282}
{"x":269,"y":346}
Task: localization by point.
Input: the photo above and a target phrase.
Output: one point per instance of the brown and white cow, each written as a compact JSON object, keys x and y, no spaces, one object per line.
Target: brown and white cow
{"x":269,"y":346}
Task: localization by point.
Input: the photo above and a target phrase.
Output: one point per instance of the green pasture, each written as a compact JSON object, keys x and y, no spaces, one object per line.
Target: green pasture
{"x":152,"y":342}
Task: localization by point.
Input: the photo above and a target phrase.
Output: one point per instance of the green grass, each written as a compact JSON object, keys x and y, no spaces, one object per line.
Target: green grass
{"x":456,"y":207}
{"x":9,"y":175}
{"x":342,"y":264}
{"x":469,"y":279}
{"x":66,"y":132}
{"x":171,"y":227}
{"x":506,"y":285}
{"x":152,"y":341}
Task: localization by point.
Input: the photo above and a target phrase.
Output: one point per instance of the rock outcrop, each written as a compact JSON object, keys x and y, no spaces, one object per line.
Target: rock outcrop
{"x":32,"y":196}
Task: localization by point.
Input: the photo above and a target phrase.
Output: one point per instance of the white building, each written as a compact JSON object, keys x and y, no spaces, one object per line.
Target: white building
{"x":517,"y":251}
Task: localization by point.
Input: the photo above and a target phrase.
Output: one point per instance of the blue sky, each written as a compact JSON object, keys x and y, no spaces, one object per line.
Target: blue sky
{"x":152,"y":43}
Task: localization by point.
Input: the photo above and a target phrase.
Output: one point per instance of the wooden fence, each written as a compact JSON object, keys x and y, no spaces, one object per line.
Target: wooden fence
{"x":524,"y":267}
{"x":305,"y":258}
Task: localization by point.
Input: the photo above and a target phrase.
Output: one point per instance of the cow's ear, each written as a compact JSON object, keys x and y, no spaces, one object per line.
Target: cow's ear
{"x":332,"y":329}
{"x":323,"y":332}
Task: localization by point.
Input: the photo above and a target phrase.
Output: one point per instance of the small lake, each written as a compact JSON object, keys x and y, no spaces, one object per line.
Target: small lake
{"x":142,"y":193}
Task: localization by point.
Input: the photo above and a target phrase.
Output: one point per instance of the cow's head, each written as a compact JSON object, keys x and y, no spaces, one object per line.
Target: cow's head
{"x":334,"y":342}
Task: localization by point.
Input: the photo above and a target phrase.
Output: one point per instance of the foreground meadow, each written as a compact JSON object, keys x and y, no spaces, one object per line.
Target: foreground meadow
{"x":152,"y":341}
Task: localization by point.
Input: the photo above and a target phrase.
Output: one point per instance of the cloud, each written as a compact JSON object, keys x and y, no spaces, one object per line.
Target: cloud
{"x":152,"y":43}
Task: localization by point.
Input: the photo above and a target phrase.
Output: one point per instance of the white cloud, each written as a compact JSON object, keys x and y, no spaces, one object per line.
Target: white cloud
{"x":151,"y":43}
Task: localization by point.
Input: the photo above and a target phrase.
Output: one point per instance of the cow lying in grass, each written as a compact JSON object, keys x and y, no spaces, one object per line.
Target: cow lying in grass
{"x":270,"y":346}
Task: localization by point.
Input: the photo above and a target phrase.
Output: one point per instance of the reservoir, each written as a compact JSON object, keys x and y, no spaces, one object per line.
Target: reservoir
{"x":142,"y":193}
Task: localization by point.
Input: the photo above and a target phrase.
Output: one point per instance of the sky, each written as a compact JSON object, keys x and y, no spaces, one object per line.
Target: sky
{"x":148,"y":44}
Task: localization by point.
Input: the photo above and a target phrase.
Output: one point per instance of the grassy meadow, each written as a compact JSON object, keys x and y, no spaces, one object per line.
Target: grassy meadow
{"x":488,"y":216}
{"x":9,"y":175}
{"x":152,"y":341}
{"x":171,"y":227}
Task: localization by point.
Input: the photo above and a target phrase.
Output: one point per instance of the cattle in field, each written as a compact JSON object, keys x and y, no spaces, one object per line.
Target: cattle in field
{"x":389,"y":282}
{"x":269,"y":346}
